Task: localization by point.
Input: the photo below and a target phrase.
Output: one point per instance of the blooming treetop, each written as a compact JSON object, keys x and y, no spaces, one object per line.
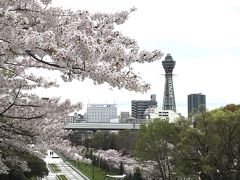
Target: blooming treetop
{"x":77,"y":44}
{"x":114,"y":158}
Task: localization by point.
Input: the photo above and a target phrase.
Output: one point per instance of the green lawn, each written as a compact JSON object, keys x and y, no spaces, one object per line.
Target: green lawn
{"x":87,"y":169}
{"x":54,"y":168}
{"x":61,"y":177}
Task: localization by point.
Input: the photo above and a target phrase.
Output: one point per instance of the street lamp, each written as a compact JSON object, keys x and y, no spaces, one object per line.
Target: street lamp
{"x":92,"y":170}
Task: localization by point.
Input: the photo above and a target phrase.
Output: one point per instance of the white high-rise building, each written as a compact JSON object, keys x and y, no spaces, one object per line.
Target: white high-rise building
{"x":101,"y":113}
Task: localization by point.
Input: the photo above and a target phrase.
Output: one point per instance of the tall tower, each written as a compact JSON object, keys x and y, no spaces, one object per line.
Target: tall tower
{"x":168,"y":98}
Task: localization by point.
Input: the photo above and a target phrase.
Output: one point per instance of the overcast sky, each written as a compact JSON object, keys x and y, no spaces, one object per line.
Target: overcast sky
{"x":203,"y":37}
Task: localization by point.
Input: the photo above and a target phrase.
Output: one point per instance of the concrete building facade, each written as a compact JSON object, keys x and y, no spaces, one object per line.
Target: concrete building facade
{"x":101,"y":113}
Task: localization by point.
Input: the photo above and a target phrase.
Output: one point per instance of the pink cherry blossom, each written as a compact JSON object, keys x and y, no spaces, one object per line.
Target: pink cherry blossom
{"x":78,"y":45}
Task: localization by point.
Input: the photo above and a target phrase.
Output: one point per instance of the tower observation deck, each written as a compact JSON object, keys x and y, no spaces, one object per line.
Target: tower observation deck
{"x":168,"y":98}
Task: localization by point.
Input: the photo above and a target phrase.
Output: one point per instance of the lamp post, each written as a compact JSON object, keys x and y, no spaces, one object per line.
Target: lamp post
{"x":78,"y":164}
{"x":92,"y":170}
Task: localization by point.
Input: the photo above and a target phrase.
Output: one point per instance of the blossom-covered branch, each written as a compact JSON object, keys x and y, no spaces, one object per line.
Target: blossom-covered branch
{"x":78,"y":45}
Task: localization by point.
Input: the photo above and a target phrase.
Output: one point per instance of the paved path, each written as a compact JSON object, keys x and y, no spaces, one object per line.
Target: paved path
{"x":68,"y":171}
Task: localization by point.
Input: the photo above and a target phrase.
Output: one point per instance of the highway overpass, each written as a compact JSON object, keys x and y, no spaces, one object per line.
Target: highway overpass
{"x":102,"y":126}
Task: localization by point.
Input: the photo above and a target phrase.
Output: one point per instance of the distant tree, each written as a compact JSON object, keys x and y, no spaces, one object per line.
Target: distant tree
{"x":156,"y":142}
{"x":129,"y":177}
{"x":89,"y":154}
{"x":104,"y":140}
{"x":113,"y":140}
{"x":37,"y":165}
{"x":121,"y":168}
{"x":126,"y":141}
{"x":123,"y":141}
{"x":16,"y":174}
{"x":98,"y":140}
{"x":211,"y":149}
{"x":137,"y":174}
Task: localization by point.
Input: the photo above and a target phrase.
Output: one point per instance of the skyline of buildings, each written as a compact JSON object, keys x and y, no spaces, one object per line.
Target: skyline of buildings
{"x":141,"y":108}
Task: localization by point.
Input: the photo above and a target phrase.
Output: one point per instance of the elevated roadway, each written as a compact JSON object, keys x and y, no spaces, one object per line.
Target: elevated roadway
{"x":102,"y":126}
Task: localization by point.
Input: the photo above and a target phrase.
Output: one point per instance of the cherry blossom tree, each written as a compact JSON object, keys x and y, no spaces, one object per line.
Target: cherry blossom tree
{"x":78,"y":45}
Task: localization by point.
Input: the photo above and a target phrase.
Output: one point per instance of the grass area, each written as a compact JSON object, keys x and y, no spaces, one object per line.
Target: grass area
{"x":54,"y":168}
{"x":33,"y":178}
{"x":61,"y":177}
{"x":87,"y":169}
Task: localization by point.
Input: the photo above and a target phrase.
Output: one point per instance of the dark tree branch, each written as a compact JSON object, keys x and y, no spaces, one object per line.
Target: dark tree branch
{"x":27,"y":105}
{"x":44,"y":62}
{"x":4,"y":40}
{"x":52,"y":64}
{"x":12,"y":104}
{"x":10,"y":128}
{"x":26,"y":118}
{"x":25,"y":9}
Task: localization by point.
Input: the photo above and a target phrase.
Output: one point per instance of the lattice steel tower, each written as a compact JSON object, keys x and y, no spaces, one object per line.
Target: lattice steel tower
{"x":168,"y":98}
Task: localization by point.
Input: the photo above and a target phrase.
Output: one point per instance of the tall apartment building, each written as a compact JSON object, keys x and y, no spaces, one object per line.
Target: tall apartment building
{"x":139,"y":107}
{"x":196,"y":103}
{"x":101,"y":113}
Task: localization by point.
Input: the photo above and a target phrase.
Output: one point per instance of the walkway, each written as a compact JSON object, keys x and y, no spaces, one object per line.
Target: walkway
{"x":65,"y":168}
